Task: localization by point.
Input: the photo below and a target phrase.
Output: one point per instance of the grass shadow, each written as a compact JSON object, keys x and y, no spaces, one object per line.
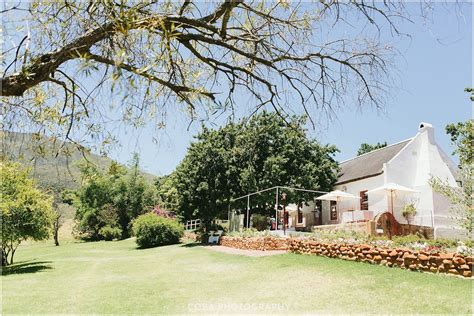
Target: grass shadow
{"x":181,"y":244}
{"x":156,"y":247}
{"x":192,"y":244}
{"x":26,"y":267}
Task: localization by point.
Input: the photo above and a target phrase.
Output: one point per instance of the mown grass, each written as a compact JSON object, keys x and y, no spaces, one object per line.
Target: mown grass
{"x":116,"y":277}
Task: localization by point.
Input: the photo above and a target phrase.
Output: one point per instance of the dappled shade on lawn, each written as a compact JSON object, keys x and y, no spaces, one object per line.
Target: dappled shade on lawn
{"x":26,"y":267}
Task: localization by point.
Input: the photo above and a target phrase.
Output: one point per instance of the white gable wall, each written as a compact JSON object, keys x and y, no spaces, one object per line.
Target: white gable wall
{"x":419,"y":160}
{"x":412,"y":167}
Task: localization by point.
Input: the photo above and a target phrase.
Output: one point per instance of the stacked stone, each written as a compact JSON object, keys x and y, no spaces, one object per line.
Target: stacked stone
{"x":434,"y":262}
{"x":255,"y":243}
{"x":406,"y":259}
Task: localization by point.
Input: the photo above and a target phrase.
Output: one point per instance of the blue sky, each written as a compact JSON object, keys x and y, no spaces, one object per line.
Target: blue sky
{"x":434,"y":67}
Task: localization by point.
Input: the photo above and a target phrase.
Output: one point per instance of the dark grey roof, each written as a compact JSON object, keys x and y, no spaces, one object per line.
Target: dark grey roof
{"x":368,"y":165}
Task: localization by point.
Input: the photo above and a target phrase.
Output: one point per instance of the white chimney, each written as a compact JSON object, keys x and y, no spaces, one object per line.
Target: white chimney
{"x":428,"y":128}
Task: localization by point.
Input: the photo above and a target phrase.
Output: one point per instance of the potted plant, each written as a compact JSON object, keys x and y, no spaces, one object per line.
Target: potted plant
{"x":409,"y":212}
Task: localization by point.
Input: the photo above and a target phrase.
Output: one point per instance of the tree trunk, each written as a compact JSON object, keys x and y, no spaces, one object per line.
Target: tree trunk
{"x":56,"y":230}
{"x":11,"y":256}
{"x":4,"y":258}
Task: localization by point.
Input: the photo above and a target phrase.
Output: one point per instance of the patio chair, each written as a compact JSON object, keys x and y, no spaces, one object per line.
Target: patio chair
{"x":214,"y":236}
{"x":301,"y":225}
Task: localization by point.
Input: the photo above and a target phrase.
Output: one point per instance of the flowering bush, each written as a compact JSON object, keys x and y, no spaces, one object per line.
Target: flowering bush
{"x":418,"y":245}
{"x":431,"y":249}
{"x":163,"y":213}
{"x":464,"y":250}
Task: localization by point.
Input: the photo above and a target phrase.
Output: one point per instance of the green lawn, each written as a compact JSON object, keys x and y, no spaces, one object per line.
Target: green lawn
{"x":115,"y":277}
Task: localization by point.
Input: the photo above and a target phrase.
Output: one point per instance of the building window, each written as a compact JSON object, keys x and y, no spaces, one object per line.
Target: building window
{"x":333,"y":210}
{"x":318,"y":206}
{"x":364,"y":200}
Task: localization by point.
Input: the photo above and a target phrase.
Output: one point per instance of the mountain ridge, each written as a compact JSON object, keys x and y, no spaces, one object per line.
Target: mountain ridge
{"x":52,"y":163}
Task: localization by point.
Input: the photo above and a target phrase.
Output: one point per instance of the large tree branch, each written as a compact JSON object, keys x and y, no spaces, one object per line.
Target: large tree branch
{"x":223,"y":9}
{"x":178,"y":89}
{"x":40,"y":68}
{"x":264,"y":50}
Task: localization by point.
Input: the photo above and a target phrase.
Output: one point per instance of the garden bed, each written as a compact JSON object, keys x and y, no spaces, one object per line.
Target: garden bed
{"x":415,"y":254}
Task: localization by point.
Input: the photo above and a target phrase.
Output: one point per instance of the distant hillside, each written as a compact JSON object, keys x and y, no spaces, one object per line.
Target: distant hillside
{"x":48,"y":167}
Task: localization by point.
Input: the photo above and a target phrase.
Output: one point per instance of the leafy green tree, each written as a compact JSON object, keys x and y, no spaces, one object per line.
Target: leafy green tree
{"x":168,"y":192}
{"x":367,"y":148}
{"x":254,"y":154}
{"x":57,"y":192}
{"x":273,"y":152}
{"x":471,"y":91}
{"x":132,"y":195}
{"x":460,"y":197}
{"x":205,"y":181}
{"x":113,"y":199}
{"x":462,"y":137}
{"x":27,"y":212}
{"x":93,"y":202}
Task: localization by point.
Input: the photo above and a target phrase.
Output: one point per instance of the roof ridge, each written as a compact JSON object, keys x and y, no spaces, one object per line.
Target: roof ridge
{"x":379,"y":149}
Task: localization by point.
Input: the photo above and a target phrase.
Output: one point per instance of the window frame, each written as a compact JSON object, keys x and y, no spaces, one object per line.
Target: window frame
{"x":333,"y":214}
{"x":364,"y":200}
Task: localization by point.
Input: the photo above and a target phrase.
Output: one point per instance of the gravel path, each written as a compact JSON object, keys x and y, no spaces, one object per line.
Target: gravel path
{"x":250,"y":253}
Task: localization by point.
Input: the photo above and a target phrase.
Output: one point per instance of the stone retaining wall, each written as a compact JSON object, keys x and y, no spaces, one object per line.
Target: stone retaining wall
{"x":406,"y":259}
{"x":255,"y":243}
{"x":450,"y":263}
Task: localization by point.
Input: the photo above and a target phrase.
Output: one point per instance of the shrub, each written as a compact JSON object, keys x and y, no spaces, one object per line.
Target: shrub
{"x":408,"y":212}
{"x":193,"y":236}
{"x":260,"y":222}
{"x":215,"y":226}
{"x":407,"y":240}
{"x":110,"y":233}
{"x":163,"y":213}
{"x":443,"y":243}
{"x":469,"y":243}
{"x":152,"y":230}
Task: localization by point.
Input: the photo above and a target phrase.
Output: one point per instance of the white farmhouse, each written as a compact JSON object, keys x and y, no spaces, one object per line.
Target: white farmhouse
{"x":409,"y":163}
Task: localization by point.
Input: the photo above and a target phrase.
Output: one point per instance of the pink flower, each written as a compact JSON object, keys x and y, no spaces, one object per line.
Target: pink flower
{"x":163,"y":213}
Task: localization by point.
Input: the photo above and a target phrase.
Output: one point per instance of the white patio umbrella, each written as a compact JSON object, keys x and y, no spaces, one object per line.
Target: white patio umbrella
{"x":338,"y":196}
{"x":290,"y":208}
{"x":389,"y":189}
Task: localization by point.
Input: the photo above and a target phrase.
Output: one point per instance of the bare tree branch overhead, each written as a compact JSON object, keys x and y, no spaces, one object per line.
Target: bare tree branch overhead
{"x":61,"y":58}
